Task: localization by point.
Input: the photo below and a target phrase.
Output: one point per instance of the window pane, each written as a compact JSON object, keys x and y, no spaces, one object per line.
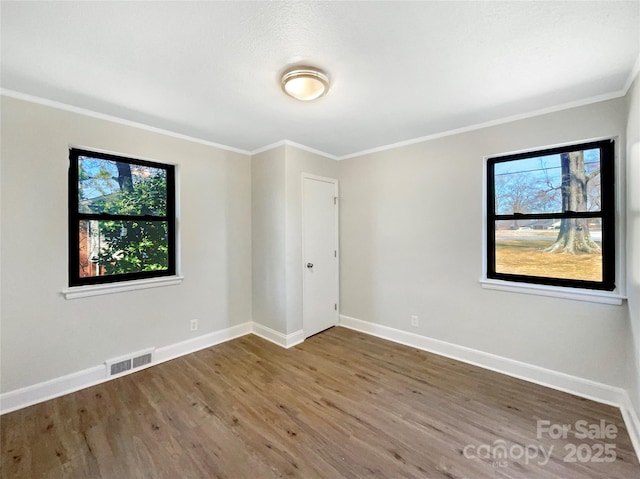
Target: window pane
{"x":107,"y":186}
{"x":548,"y":184}
{"x":535,"y":248}
{"x":118,"y":247}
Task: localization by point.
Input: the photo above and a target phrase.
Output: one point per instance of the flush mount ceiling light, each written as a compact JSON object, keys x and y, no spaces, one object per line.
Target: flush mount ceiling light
{"x":305,"y":83}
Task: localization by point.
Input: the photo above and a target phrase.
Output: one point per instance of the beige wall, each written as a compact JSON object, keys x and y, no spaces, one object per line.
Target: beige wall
{"x":277,"y":233}
{"x":268,"y":212}
{"x":45,"y":336}
{"x":297,"y":162}
{"x":633,"y":236}
{"x":411,"y":244}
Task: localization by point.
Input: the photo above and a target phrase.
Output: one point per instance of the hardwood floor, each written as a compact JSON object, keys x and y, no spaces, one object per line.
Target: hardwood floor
{"x":340,"y":405}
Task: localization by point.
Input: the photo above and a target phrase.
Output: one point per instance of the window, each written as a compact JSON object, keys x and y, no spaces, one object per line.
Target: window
{"x":551,"y":216}
{"x":121,"y":218}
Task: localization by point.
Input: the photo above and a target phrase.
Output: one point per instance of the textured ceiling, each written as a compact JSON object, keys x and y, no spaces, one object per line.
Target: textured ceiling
{"x":399,"y":70}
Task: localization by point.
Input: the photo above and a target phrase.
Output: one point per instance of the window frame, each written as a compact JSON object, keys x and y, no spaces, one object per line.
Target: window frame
{"x":607,"y":214}
{"x":75,"y":217}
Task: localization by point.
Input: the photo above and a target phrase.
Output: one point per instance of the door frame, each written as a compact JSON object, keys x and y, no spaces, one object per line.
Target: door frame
{"x":334,"y":181}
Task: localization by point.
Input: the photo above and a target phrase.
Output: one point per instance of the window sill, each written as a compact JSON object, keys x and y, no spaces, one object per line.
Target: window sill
{"x":605,"y":297}
{"x":110,"y":288}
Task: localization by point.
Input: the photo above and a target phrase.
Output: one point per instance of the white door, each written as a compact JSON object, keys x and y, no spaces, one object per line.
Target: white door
{"x":319,"y":253}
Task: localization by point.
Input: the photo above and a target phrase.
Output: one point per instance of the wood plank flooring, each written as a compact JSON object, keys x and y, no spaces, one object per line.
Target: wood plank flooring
{"x":340,"y":405}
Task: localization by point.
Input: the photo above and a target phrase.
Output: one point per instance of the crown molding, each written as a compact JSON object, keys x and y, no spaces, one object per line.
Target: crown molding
{"x":268,"y":147}
{"x":114,"y":119}
{"x":300,"y":146}
{"x":632,"y":75}
{"x":293,"y":144}
{"x":486,"y":124}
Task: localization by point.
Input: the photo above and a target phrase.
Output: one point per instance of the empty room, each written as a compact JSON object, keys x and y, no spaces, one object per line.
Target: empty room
{"x":261,"y":239}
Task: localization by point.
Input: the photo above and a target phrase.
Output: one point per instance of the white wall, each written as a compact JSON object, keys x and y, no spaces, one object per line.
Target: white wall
{"x":45,"y":336}
{"x":411,"y":243}
{"x":633,"y":236}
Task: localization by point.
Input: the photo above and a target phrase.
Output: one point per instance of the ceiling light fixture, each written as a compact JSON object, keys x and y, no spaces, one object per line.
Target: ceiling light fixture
{"x":305,"y":83}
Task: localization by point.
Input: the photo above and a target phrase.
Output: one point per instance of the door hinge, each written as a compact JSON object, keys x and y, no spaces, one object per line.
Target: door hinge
{"x":335,"y":307}
{"x":335,"y":253}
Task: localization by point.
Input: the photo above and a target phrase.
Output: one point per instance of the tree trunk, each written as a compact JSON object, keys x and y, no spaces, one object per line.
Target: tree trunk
{"x":574,"y":234}
{"x":124,"y":177}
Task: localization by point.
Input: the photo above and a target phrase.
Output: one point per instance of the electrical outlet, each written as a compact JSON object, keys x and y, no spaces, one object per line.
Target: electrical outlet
{"x":414,"y":321}
{"x":194,"y":325}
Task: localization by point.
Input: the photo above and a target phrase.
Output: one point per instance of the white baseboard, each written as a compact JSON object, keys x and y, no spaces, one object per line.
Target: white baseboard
{"x":631,"y":421}
{"x":176,"y":350}
{"x":36,"y":393}
{"x":578,"y":386}
{"x":27,"y":396}
{"x":276,"y":337}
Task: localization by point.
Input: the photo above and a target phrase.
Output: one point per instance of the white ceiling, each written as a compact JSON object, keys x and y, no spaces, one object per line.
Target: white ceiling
{"x":399,"y":70}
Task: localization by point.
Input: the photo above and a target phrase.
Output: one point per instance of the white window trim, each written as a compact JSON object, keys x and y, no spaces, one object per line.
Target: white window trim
{"x":593,"y":296}
{"x":615,"y":297}
{"x":119,"y":287}
{"x":75,"y":292}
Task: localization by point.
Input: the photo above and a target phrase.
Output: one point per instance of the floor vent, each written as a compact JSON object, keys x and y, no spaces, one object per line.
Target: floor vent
{"x":141,"y":360}
{"x":123,"y":364}
{"x":120,"y":367}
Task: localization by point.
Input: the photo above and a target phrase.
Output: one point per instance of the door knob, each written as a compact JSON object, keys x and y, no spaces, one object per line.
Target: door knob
{"x":309,"y":265}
